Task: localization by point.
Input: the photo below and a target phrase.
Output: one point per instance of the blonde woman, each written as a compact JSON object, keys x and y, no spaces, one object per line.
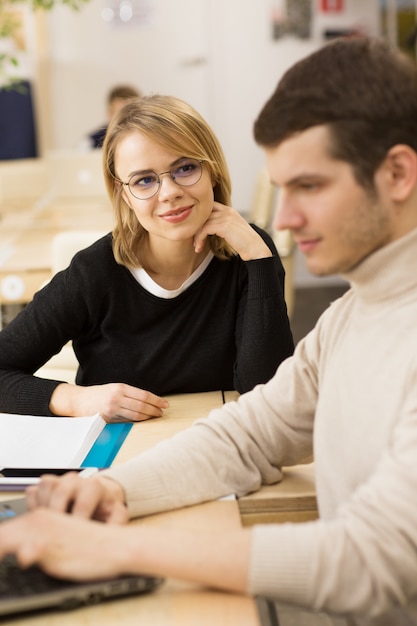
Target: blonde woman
{"x":183,"y":296}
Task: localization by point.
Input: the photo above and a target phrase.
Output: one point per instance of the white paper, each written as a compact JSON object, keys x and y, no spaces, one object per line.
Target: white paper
{"x":54,"y":442}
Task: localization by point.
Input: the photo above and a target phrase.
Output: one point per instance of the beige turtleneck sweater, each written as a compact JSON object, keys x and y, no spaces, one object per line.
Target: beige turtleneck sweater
{"x":350,"y":393}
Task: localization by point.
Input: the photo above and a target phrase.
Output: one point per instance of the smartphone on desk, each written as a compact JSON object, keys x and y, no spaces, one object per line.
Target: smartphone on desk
{"x":36,"y":472}
{"x":18,"y":478}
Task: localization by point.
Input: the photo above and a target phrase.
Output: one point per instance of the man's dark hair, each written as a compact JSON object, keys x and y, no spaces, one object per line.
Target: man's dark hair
{"x":364,"y":90}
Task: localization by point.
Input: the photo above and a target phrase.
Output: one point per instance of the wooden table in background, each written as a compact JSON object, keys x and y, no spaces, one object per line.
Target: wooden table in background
{"x":26,"y":237}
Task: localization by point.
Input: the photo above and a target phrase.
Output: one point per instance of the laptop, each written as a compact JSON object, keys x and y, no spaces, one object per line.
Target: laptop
{"x":272,"y":613}
{"x":11,"y":508}
{"x":31,"y":590}
{"x":74,"y":174}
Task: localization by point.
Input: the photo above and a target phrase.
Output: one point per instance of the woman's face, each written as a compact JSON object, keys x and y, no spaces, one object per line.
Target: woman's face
{"x":175,"y":212}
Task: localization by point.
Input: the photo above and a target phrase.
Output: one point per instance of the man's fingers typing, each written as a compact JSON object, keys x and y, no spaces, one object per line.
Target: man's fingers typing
{"x":97,"y":497}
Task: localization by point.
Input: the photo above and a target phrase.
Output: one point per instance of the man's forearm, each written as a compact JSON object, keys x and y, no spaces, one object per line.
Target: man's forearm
{"x":215,"y":559}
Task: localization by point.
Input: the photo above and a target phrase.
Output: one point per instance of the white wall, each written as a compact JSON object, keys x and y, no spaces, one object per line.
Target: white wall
{"x":217,"y":54}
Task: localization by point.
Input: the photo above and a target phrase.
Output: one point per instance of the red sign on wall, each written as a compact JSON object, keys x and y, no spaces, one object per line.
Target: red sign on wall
{"x":332,"y":6}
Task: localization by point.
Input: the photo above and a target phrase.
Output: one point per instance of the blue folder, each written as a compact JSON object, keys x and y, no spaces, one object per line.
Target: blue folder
{"x":107,"y":445}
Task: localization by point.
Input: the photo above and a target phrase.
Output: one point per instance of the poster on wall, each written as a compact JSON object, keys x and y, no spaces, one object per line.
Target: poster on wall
{"x":291,"y":17}
{"x":332,"y":6}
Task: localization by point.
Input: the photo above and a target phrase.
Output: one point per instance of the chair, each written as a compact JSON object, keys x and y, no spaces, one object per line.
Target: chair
{"x":261,"y":214}
{"x":286,"y":249}
{"x":66,"y":243}
{"x":63,"y":366}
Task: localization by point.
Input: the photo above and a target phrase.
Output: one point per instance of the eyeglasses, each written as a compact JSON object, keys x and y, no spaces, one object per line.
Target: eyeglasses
{"x":144,"y":185}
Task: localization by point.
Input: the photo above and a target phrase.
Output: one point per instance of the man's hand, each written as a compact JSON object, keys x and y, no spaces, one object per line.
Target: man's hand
{"x":64,"y":546}
{"x":99,"y":498}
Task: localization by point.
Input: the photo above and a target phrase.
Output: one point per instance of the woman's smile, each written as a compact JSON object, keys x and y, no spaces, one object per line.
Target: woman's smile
{"x":175,"y":216}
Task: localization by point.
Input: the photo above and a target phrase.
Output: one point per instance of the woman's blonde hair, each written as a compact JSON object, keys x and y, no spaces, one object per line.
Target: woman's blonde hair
{"x":177,"y":127}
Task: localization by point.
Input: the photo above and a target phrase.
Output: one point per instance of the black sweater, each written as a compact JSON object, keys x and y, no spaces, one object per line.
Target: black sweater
{"x":228,"y":330}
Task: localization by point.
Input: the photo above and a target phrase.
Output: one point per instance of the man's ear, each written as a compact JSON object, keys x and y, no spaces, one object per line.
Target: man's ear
{"x":400,"y":172}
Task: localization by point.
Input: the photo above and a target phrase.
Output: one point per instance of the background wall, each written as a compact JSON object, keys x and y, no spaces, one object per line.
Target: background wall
{"x":217,"y":54}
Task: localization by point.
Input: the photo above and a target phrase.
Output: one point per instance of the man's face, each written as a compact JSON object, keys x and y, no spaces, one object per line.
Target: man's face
{"x":335,"y":222}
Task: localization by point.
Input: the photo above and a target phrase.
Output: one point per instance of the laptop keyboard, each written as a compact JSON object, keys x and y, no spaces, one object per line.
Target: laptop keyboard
{"x":31,"y":589}
{"x":15,"y":581}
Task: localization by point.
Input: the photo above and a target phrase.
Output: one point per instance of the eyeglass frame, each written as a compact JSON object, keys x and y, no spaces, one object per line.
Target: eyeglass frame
{"x":127,"y":184}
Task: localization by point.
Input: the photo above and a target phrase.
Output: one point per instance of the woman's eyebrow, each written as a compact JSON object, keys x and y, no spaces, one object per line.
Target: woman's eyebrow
{"x":148,"y":171}
{"x":151,"y":171}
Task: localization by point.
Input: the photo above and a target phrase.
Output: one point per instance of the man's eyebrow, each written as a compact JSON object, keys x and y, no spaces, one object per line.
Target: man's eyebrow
{"x":295,"y":180}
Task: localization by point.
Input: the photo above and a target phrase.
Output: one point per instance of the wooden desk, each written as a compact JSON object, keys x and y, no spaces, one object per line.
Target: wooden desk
{"x":178,"y":603}
{"x":175,"y":603}
{"x":291,"y":500}
{"x":184,"y":410}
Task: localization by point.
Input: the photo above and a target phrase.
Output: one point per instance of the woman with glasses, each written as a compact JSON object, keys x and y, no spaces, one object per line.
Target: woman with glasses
{"x":183,"y":296}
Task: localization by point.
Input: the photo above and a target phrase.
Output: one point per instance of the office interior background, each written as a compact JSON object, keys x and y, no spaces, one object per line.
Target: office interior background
{"x":223,"y":56}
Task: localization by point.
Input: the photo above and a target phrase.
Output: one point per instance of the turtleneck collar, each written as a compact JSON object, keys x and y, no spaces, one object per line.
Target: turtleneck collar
{"x":388,"y":272}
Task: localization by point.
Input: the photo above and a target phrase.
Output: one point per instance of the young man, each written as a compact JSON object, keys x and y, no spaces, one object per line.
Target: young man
{"x":340,"y":136}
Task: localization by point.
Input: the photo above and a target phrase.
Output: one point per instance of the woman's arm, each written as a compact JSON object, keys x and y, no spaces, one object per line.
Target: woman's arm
{"x":69,"y":307}
{"x":38,"y":332}
{"x":263,"y":333}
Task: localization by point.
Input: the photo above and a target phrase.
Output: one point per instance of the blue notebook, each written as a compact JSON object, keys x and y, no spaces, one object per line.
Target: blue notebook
{"x":107,"y":445}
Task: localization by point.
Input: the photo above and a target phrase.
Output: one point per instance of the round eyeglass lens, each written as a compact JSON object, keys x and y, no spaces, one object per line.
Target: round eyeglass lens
{"x":145,"y":185}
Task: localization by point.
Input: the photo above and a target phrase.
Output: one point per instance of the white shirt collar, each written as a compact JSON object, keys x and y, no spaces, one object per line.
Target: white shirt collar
{"x":150,"y":285}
